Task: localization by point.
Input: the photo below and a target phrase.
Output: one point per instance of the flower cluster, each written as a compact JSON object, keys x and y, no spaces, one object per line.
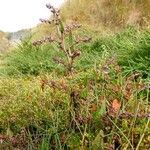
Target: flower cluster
{"x":72,"y":26}
{"x":55,"y":12}
{"x":46,"y":21}
{"x":46,"y":39}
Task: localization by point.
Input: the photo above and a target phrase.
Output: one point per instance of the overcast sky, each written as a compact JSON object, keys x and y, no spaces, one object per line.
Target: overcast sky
{"x":20,"y":14}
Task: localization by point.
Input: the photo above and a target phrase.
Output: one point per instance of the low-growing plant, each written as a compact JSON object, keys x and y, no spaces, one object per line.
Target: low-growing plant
{"x":64,"y":39}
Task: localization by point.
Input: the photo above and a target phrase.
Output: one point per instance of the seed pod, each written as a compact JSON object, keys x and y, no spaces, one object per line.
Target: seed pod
{"x":49,"y":6}
{"x":46,"y":21}
{"x":36,"y":43}
{"x":76,"y":54}
{"x":59,"y":61}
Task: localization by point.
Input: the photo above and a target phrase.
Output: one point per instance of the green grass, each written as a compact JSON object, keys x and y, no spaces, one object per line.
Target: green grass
{"x":130,"y":47}
{"x":41,"y":112}
{"x":27,"y":59}
{"x":43,"y":108}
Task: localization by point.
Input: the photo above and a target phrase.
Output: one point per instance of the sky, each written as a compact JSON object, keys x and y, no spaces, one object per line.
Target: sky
{"x":21,"y":14}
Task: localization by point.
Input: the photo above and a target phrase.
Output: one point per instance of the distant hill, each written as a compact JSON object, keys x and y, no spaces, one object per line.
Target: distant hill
{"x":9,"y":39}
{"x":17,"y":36}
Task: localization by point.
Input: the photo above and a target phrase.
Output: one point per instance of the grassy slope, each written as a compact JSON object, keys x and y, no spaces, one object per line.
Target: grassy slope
{"x":114,"y":13}
{"x":73,"y":111}
{"x":53,"y":111}
{"x":103,"y":17}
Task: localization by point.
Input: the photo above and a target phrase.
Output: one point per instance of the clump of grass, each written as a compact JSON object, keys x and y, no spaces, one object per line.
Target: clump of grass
{"x":139,"y":57}
{"x":130,"y":47}
{"x":27,"y":59}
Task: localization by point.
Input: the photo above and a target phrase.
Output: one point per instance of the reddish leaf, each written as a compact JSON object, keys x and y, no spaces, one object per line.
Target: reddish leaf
{"x":93,"y":108}
{"x":116,"y":105}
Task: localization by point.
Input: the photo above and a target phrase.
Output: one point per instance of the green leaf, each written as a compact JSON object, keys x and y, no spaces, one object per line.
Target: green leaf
{"x":70,"y":38}
{"x":98,"y":143}
{"x":101,"y":111}
{"x":9,"y":132}
{"x":61,"y":27}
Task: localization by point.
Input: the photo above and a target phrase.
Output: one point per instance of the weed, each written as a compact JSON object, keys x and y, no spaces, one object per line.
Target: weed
{"x":65,"y":40}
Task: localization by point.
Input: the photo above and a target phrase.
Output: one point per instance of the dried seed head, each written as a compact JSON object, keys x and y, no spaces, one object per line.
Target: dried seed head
{"x":72,"y":26}
{"x":46,"y":21}
{"x":36,"y":43}
{"x":57,"y":11}
{"x":83,"y":40}
{"x":57,"y":22}
{"x":42,"y":20}
{"x":46,"y":39}
{"x":49,"y":39}
{"x":53,"y":10}
{"x":76,"y":54}
{"x":49,"y":6}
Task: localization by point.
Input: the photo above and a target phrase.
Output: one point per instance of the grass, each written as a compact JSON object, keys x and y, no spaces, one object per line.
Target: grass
{"x":108,"y":13}
{"x":102,"y":17}
{"x":103,"y":104}
{"x":74,"y":111}
{"x":27,"y":59}
{"x":130,"y":48}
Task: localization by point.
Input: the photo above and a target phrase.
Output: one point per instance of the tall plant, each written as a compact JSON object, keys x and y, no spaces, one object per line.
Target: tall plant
{"x":64,"y":38}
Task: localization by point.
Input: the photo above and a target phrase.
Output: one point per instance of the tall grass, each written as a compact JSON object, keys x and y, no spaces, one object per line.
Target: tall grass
{"x":108,"y":13}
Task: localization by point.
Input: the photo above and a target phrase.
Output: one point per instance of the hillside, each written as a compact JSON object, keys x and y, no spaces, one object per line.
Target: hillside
{"x":79,"y":87}
{"x":102,"y":16}
{"x":9,"y":39}
{"x":116,"y":13}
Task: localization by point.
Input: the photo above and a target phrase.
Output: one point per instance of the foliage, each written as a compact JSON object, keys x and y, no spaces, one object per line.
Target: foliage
{"x":87,"y":110}
{"x":130,"y":47}
{"x":139,"y":58}
{"x":27,"y":59}
{"x":103,"y":104}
